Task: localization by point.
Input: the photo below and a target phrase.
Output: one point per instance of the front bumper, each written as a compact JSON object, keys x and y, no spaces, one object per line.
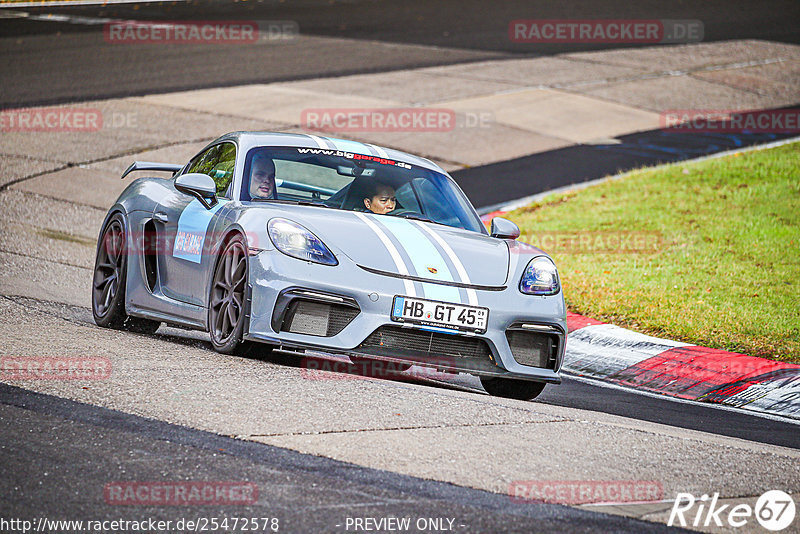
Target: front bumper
{"x":361,"y":302}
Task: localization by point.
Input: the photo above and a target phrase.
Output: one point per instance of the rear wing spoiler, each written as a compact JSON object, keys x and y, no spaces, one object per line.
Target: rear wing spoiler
{"x":150,"y":166}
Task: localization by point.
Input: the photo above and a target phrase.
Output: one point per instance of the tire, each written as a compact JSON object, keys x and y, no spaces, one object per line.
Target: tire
{"x":108,"y":282}
{"x":512,"y":389}
{"x":227,"y":307}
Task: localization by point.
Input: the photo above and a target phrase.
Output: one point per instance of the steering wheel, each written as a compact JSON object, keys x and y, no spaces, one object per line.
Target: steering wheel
{"x":406,"y":211}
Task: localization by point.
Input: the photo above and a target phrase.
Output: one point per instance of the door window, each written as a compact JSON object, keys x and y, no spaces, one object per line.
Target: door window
{"x":217,"y":162}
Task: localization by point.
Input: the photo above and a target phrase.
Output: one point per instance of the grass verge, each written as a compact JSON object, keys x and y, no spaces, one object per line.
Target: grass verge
{"x":707,"y":253}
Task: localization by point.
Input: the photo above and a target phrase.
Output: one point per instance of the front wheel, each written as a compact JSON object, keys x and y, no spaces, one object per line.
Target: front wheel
{"x":227,"y":306}
{"x":512,"y":389}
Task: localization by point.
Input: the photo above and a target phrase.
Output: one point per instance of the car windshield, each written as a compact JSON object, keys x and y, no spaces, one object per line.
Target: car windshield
{"x":355,"y":182}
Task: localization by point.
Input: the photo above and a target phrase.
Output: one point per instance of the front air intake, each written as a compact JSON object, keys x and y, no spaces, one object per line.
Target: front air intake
{"x":317,"y":318}
{"x":392,"y":341}
{"x":534,"y":349}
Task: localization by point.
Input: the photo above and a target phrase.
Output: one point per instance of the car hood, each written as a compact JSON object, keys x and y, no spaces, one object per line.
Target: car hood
{"x":402,"y":246}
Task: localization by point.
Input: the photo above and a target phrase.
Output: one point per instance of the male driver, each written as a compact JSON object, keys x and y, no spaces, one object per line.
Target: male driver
{"x":262,"y":177}
{"x":381,"y":199}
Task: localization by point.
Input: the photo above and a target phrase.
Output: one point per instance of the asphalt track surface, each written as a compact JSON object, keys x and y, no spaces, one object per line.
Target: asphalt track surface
{"x":493,"y":184}
{"x":55,"y":62}
{"x":63,"y":453}
{"x":61,"y":61}
{"x":571,"y":393}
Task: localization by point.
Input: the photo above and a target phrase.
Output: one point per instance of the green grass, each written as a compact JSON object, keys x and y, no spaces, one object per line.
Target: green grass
{"x":726,"y":273}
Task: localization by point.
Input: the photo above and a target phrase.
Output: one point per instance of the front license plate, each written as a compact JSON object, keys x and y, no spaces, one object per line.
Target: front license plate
{"x":441,"y":314}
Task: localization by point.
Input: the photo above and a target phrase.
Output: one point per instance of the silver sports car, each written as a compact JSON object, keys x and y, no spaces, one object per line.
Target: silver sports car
{"x":301,"y":242}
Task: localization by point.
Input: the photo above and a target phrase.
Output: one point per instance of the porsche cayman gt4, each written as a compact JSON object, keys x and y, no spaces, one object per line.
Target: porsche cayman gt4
{"x":301,"y":242}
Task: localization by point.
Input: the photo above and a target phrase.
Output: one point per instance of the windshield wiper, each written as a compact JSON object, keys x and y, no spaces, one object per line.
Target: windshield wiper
{"x":417,"y":217}
{"x":310,"y":203}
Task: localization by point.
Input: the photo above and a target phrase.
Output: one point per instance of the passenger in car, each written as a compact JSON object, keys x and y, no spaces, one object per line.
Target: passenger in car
{"x":262,"y":177}
{"x":381,"y":199}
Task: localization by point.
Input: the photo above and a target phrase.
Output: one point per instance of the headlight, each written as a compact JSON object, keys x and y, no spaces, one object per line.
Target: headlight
{"x":298,"y":242}
{"x":540,"y":277}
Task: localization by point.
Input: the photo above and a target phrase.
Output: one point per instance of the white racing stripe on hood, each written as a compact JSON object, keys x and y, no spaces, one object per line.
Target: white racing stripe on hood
{"x":381,"y":152}
{"x":424,"y":257}
{"x":320,"y":141}
{"x":472,"y":295}
{"x":398,"y":261}
{"x":345,"y":145}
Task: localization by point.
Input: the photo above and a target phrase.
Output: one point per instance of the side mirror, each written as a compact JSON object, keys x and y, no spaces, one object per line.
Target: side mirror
{"x":200,"y":186}
{"x":504,"y":229}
